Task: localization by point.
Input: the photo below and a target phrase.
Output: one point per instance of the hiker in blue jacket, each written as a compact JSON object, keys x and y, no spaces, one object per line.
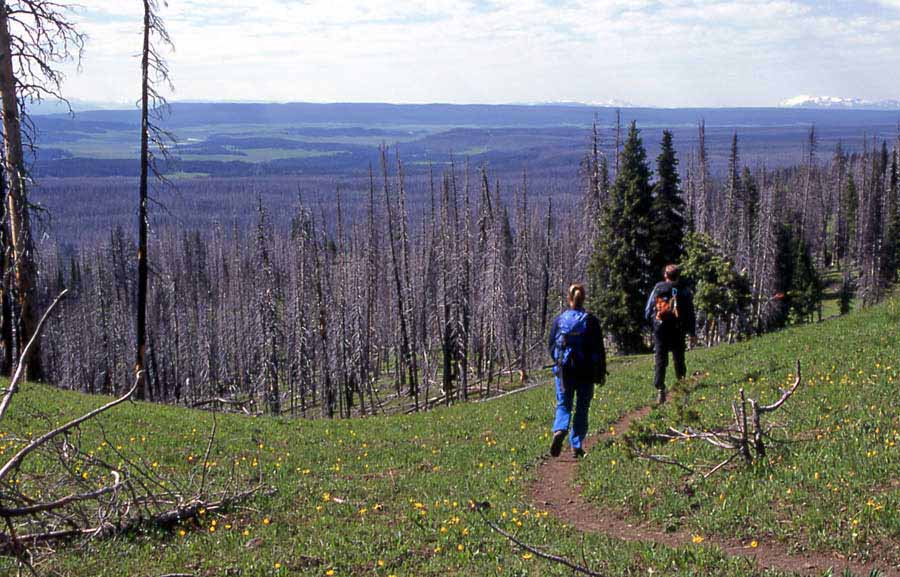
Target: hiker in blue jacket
{"x":670,"y":309}
{"x":576,"y":345}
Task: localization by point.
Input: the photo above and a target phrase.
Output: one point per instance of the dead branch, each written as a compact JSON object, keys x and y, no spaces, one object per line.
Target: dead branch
{"x":60,"y":503}
{"x":662,"y":459}
{"x":135,"y":497}
{"x":16,"y":459}
{"x":20,"y":368}
{"x":240,"y":404}
{"x":482,"y":506}
{"x":746,"y":424}
{"x":163,"y":520}
{"x":785,"y":394}
{"x":512,"y":392}
{"x":709,"y":474}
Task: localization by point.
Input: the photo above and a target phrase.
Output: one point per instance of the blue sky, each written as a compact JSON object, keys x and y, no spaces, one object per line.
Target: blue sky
{"x":645,"y":52}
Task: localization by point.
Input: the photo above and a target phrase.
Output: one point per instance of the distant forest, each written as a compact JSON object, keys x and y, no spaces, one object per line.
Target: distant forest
{"x":399,"y":291}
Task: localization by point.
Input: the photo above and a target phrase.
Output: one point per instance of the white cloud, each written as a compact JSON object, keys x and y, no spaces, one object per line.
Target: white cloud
{"x":664,"y":52}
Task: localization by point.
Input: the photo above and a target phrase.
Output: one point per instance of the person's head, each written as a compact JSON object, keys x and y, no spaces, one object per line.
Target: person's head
{"x":671,"y":273}
{"x":576,"y":296}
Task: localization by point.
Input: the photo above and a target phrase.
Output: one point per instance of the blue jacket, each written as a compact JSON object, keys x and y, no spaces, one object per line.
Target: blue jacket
{"x":592,"y":343}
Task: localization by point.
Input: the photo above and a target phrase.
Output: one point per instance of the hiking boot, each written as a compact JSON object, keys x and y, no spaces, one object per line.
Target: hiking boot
{"x":556,"y":445}
{"x":661,"y":396}
{"x":578,"y":453}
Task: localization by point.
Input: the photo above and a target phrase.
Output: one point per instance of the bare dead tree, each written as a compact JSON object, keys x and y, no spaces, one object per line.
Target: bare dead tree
{"x":154,"y":72}
{"x":35,"y":37}
{"x":703,"y":208}
{"x":730,"y":223}
{"x":812,"y":145}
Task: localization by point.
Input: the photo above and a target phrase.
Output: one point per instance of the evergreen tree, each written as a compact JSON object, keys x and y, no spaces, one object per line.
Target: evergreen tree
{"x":721,"y":295}
{"x":751,"y":199}
{"x":731,"y":222}
{"x":850,"y":208}
{"x":667,"y":213}
{"x":797,"y":278}
{"x":892,"y":236}
{"x":749,"y":216}
{"x":619,"y":273}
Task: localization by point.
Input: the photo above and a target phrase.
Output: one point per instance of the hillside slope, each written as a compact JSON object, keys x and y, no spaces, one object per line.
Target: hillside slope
{"x":389,"y":496}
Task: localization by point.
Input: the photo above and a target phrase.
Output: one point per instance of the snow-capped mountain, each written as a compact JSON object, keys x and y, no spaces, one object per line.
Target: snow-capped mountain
{"x":609,"y":103}
{"x":806,"y":101}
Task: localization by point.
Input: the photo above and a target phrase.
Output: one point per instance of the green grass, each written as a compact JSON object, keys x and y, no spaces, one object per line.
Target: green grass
{"x":827,"y":488}
{"x":388,"y":495}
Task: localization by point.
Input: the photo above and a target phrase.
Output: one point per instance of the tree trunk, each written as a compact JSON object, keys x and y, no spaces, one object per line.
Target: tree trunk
{"x":17,"y":204}
{"x":141,"y":331}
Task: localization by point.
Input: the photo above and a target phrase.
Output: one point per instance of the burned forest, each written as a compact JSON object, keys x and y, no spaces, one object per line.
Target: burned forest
{"x":409,"y":291}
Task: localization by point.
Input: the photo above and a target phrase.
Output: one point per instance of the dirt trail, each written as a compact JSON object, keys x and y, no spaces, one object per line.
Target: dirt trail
{"x":554,"y":490}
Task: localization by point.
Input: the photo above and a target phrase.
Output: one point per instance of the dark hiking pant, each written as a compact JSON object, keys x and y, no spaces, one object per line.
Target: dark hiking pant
{"x":665,"y":342}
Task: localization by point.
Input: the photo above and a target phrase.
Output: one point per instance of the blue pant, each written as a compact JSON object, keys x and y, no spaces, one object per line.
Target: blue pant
{"x":565,"y":398}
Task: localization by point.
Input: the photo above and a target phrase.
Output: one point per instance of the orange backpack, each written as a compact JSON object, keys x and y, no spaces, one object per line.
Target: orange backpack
{"x":667,"y":307}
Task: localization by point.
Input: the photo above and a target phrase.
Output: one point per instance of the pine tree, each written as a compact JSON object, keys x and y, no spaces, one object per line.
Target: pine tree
{"x":721,"y":295}
{"x":667,"y":214}
{"x":892,"y":237}
{"x":749,"y":216}
{"x":797,"y":278}
{"x":619,"y":272}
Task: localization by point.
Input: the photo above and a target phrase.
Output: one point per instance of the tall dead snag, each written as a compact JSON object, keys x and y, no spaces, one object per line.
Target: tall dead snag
{"x":465,"y":291}
{"x":407,"y":357}
{"x":154,"y":71}
{"x":545,"y":271}
{"x":703,"y":209}
{"x":35,"y":35}
{"x":447,"y":256}
{"x":6,"y":316}
{"x":268,"y":297}
{"x":521,"y":266}
{"x":812,"y":143}
{"x":411,"y":347}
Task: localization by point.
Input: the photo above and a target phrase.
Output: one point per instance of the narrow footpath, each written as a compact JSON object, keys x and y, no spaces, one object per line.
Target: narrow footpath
{"x":554,"y":490}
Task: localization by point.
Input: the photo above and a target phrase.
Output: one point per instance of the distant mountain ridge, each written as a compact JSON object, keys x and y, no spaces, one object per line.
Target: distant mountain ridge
{"x":482,"y":115}
{"x":832,"y":102}
{"x":608,"y":103}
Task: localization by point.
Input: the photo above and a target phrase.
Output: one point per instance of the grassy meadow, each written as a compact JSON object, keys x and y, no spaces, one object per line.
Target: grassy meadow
{"x":389,"y":496}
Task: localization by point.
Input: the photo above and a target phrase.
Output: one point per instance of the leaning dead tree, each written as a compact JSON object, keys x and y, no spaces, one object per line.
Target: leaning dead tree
{"x":35,"y":36}
{"x":59,"y":486}
{"x":745,"y":437}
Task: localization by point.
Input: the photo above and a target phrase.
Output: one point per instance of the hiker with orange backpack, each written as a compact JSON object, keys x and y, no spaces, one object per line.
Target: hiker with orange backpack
{"x":670,"y":309}
{"x":579,"y":357}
